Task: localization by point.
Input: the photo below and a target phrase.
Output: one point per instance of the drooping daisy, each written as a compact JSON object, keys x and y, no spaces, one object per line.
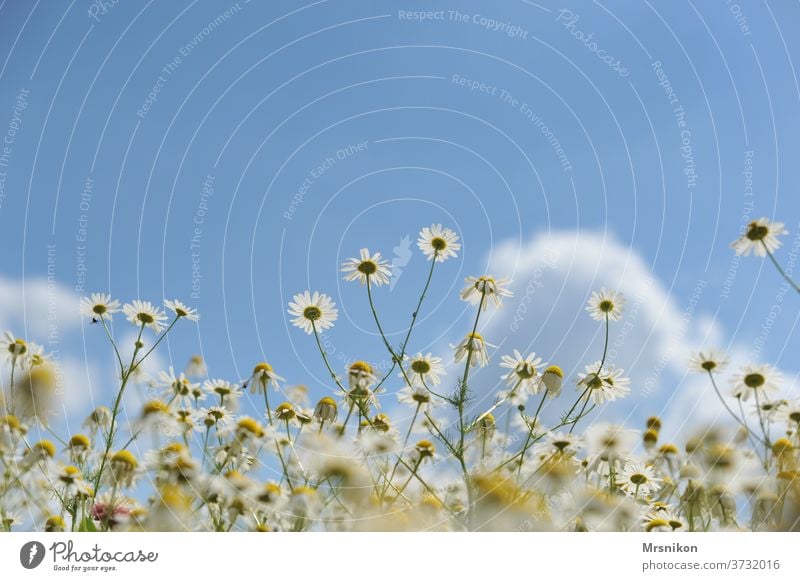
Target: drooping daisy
{"x":760,"y":236}
{"x":755,"y":378}
{"x":99,"y":306}
{"x":145,"y":313}
{"x":473,"y":343}
{"x":13,"y":347}
{"x":424,"y":369}
{"x":638,"y":479}
{"x":605,"y":303}
{"x":360,"y":375}
{"x":196,"y":367}
{"x":326,"y":410}
{"x":553,"y":379}
{"x":439,"y":242}
{"x":313,"y":311}
{"x":181,"y":310}
{"x":264,"y":375}
{"x":708,"y":361}
{"x":524,"y":371}
{"x":603,"y":385}
{"x":367,"y":267}
{"x":481,"y":288}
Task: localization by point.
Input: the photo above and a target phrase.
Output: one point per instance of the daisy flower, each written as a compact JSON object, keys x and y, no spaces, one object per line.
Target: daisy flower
{"x":98,"y":306}
{"x":367,"y":268}
{"x":181,"y":310}
{"x":439,"y":242}
{"x":755,"y":378}
{"x":606,"y":304}
{"x":145,"y":313}
{"x":13,"y":347}
{"x":263,"y":375}
{"x":603,"y":385}
{"x":221,"y":389}
{"x":414,"y":396}
{"x":311,"y":312}
{"x":178,"y":385}
{"x":424,"y":369}
{"x":486,"y":286}
{"x":524,"y":371}
{"x":710,"y":361}
{"x":610,"y":442}
{"x":196,"y":367}
{"x":638,"y":478}
{"x":790,"y":413}
{"x":562,"y":442}
{"x":326,"y":410}
{"x":760,"y":237}
{"x":473,"y":343}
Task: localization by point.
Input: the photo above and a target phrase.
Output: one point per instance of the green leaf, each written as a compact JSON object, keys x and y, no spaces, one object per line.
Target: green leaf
{"x":87,"y":526}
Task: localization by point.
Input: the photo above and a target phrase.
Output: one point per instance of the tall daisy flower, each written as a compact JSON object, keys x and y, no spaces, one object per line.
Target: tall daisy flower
{"x":755,"y":378}
{"x":524,"y":371}
{"x":99,"y":305}
{"x":367,"y":267}
{"x":360,"y":375}
{"x":603,"y":385}
{"x":486,"y":287}
{"x":181,"y":310}
{"x":145,"y":313}
{"x":709,"y":361}
{"x":472,"y":343}
{"x":416,"y":396}
{"x":424,"y":369}
{"x":439,"y":242}
{"x":605,"y":303}
{"x":760,"y":237}
{"x":313,"y":310}
{"x":179,"y":386}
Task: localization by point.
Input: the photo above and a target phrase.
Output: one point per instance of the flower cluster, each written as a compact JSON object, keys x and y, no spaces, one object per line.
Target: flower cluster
{"x":434,"y":460}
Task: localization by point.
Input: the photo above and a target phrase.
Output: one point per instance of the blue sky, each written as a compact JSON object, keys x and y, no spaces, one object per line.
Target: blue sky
{"x":317,"y":129}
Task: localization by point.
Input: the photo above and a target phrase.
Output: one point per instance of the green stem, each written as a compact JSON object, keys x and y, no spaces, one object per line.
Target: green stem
{"x":780,"y":269}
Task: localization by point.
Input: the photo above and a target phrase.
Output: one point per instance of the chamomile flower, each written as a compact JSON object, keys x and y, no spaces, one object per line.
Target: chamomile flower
{"x":224,"y":390}
{"x":326,"y":410}
{"x":182,"y":311}
{"x":368,"y":267}
{"x":424,"y":369}
{"x":603,"y":385}
{"x":179,"y":386}
{"x":755,"y":378}
{"x":99,"y":306}
{"x":13,"y":348}
{"x":416,"y":396}
{"x":264,"y":375}
{"x":216,"y":415}
{"x":609,"y":442}
{"x":360,"y":375}
{"x":605,"y":304}
{"x":473,"y":344}
{"x":145,"y":313}
{"x":524,"y":371}
{"x":760,"y":236}
{"x":196,"y":367}
{"x":790,"y":413}
{"x":638,"y":479}
{"x":708,"y":361}
{"x":311,"y":312}
{"x":481,"y":288}
{"x":553,"y":379}
{"x":439,"y":242}
{"x":562,"y":443}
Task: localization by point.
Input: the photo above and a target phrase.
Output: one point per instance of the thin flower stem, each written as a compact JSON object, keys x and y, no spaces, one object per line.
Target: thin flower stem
{"x":405,"y":443}
{"x":325,"y":358}
{"x":739,"y":420}
{"x":782,"y":272}
{"x":749,"y":431}
{"x":160,"y":338}
{"x":462,"y":392}
{"x":113,"y":343}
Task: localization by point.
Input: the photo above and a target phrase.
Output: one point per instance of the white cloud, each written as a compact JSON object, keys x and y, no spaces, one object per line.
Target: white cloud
{"x":38,"y":308}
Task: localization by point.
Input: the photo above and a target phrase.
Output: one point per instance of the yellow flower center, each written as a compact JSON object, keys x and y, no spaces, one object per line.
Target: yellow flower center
{"x":439,"y":243}
{"x":754,"y":380}
{"x":420,"y":366}
{"x":367,"y":267}
{"x":312,"y":313}
{"x":756,"y":231}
